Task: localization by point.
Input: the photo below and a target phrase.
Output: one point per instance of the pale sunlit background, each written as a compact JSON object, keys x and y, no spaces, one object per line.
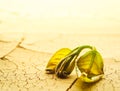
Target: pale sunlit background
{"x":68,"y":16}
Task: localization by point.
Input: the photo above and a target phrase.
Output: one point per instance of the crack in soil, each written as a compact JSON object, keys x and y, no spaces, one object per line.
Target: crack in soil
{"x":18,"y":74}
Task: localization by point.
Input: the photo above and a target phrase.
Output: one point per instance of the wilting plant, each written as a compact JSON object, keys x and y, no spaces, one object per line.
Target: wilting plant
{"x":89,"y":65}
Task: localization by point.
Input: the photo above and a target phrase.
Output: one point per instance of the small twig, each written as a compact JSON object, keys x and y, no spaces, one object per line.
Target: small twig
{"x":71,"y":84}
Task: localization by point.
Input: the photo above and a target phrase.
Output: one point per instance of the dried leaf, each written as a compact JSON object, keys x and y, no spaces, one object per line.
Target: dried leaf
{"x":55,"y":59}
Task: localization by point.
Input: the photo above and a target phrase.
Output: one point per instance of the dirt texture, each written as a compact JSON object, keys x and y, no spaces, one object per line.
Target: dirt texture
{"x":24,"y":70}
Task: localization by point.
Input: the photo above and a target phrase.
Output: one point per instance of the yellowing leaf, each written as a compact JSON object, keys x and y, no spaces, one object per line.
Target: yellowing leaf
{"x":55,"y":59}
{"x":91,"y":63}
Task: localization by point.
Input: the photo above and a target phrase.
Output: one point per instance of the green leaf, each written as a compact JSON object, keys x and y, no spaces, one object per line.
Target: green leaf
{"x":55,"y":59}
{"x":91,"y":66}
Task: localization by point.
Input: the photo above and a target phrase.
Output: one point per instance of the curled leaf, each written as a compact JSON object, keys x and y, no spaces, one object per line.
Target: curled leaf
{"x":91,"y":66}
{"x":67,"y":64}
{"x":55,"y":59}
{"x":65,"y":67}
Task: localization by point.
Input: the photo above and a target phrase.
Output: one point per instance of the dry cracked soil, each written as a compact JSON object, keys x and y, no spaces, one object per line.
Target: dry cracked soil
{"x":23,"y":69}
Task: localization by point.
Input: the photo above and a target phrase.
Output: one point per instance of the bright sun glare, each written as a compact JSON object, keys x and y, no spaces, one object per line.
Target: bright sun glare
{"x":69,"y":15}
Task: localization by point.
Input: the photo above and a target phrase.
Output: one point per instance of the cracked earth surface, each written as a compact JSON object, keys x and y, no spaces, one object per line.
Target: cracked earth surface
{"x":23,"y":70}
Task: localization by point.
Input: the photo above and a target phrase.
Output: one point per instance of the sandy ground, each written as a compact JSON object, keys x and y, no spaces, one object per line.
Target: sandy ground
{"x":23,"y":67}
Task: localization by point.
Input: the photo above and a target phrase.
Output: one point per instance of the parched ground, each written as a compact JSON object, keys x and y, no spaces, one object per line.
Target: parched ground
{"x":23,"y":57}
{"x":23,"y":69}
